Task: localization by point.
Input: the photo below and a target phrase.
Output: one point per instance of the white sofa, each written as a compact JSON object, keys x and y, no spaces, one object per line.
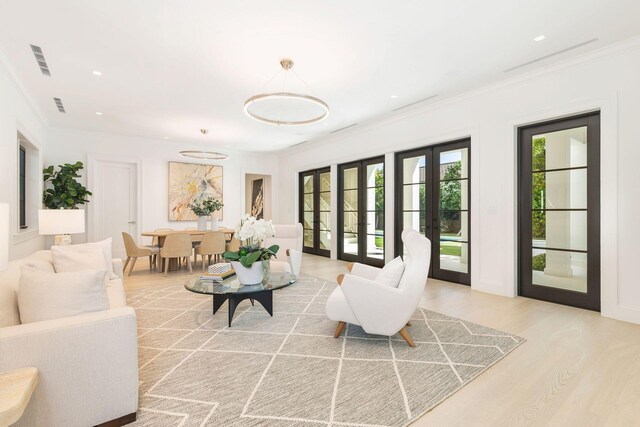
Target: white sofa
{"x":289,"y":256}
{"x":87,"y":364}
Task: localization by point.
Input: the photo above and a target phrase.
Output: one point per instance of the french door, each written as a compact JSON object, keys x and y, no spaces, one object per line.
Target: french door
{"x":433,"y":197}
{"x":361,"y":211}
{"x":559,"y":211}
{"x":315,"y":211}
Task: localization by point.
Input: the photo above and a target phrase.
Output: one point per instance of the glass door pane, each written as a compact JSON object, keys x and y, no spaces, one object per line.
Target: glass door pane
{"x":375,"y":210}
{"x":308,"y":205}
{"x":559,"y":248}
{"x":350,"y":214}
{"x":453,"y":197}
{"x":324,"y":209}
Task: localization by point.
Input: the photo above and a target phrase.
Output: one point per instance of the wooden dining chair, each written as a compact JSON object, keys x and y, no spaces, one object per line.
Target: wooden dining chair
{"x":213,"y":244}
{"x":154,"y":241}
{"x":176,"y":245}
{"x":134,"y":252}
{"x":233,"y":245}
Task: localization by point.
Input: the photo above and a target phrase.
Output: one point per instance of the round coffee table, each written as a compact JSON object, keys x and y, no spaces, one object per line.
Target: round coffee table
{"x":231,"y":290}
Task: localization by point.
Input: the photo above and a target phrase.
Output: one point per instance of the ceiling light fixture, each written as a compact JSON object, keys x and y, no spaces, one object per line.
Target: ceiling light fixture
{"x":286,"y":108}
{"x":539,"y":38}
{"x":394,"y":96}
{"x":98,"y":113}
{"x":204,"y":155}
{"x":97,"y":73}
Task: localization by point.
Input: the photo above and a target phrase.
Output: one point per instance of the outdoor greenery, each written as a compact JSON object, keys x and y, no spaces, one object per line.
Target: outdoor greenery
{"x":63,"y":191}
{"x":379,"y":183}
{"x":539,"y":262}
{"x":450,"y":248}
{"x":205,"y":206}
{"x":538,"y":153}
{"x":450,"y":198}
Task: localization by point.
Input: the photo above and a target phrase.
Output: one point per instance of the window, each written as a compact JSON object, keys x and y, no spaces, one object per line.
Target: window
{"x":28,"y":187}
{"x":22,"y":187}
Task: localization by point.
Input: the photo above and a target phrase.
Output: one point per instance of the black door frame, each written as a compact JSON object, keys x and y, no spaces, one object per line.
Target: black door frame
{"x":591,"y":299}
{"x":315,"y":173}
{"x":362,"y":212}
{"x":432,"y":205}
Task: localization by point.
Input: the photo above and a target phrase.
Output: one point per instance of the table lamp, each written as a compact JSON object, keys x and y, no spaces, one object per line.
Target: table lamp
{"x":61,"y":223}
{"x":4,"y":235}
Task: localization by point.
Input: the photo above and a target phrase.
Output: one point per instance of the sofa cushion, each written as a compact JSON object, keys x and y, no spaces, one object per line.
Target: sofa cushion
{"x":45,"y":296}
{"x":391,"y":273}
{"x":68,"y":259}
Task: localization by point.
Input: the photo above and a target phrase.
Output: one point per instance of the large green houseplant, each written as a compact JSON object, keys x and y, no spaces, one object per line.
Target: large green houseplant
{"x":62,"y":191}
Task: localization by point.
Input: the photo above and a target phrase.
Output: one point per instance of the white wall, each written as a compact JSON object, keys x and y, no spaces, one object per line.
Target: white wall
{"x":17,"y":114}
{"x":154,"y":155}
{"x":606,"y":80}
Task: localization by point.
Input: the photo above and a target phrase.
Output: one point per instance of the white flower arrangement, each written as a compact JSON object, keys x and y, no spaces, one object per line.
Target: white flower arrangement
{"x":252,"y":232}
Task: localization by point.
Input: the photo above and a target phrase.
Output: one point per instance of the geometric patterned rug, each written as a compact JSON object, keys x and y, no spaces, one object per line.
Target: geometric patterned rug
{"x":289,"y":370}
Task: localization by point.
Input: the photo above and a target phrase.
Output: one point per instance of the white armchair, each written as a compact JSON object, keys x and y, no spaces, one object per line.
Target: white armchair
{"x":289,"y":256}
{"x":379,"y":308}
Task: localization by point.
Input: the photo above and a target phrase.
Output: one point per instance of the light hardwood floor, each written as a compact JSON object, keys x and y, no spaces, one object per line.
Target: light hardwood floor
{"x":576,"y":368}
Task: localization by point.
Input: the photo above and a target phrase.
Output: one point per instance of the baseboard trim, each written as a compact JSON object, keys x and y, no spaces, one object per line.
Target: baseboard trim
{"x":125,"y":419}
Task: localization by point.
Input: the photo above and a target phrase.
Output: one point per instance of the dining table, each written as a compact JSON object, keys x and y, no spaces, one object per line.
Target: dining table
{"x":196,"y":237}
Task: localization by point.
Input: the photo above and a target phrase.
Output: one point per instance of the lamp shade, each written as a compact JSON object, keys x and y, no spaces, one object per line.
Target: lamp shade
{"x":4,"y":235}
{"x":60,"y":221}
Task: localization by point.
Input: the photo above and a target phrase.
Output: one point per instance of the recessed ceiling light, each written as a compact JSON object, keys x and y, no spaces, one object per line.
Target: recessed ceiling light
{"x":98,"y":113}
{"x":97,"y":73}
{"x":227,"y":145}
{"x":165,"y":137}
{"x":539,"y":38}
{"x":394,"y":96}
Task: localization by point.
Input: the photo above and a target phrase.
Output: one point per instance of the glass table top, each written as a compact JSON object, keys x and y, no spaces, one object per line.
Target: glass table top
{"x":233,"y":286}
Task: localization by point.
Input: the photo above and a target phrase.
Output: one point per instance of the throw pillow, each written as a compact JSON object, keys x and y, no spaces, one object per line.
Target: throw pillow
{"x":391,"y":273}
{"x":69,"y":259}
{"x":46,"y":296}
{"x":105,"y":246}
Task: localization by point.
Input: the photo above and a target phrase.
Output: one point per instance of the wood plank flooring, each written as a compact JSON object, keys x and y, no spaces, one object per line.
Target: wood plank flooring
{"x":576,"y":368}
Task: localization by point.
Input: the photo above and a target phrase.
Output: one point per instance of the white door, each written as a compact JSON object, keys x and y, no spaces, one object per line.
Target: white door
{"x":115,"y":201}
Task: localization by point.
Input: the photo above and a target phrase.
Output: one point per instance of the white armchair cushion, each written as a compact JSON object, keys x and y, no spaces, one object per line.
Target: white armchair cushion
{"x":45,"y":296}
{"x":391,"y":273}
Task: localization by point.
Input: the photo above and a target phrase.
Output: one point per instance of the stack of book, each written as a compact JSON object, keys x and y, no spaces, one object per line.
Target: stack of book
{"x":218,"y":277}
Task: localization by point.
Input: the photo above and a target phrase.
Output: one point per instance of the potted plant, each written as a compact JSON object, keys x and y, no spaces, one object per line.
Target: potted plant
{"x":251,"y":261}
{"x":64,"y":191}
{"x":203,"y":208}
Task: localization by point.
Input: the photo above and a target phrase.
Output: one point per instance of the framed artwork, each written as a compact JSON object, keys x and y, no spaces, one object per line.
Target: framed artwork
{"x":257,"y":198}
{"x":189,"y":182}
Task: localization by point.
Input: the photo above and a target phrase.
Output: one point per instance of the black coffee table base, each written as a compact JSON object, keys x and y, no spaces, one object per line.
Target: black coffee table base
{"x":264,"y":297}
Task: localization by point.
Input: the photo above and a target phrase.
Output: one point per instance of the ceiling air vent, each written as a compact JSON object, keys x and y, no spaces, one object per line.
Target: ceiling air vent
{"x":42,"y":63}
{"x":344,"y":128}
{"x":561,"y":51}
{"x":58,"y":102}
{"x":414,"y":103}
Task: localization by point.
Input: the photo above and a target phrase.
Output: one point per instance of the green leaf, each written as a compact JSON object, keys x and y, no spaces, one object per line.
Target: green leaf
{"x":231,"y":256}
{"x":274,"y":249}
{"x":248,"y":260}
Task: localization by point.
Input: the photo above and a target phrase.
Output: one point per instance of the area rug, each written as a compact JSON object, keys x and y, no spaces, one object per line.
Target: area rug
{"x":289,"y":370}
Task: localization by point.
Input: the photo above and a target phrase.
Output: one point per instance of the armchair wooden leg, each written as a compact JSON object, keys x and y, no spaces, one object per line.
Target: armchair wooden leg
{"x":407,"y":337}
{"x":350,"y":266}
{"x":340,"y":278}
{"x":409,"y":323}
{"x":133,"y":263}
{"x":339,"y":329}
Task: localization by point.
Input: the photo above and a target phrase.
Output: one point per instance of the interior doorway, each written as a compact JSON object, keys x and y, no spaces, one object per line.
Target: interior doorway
{"x":114,"y":204}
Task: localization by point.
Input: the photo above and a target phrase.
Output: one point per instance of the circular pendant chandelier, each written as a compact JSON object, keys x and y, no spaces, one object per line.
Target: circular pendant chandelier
{"x":286,"y":108}
{"x":204,"y":155}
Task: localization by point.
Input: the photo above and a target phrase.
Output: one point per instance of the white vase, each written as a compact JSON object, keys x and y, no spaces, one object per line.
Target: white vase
{"x":202,"y":223}
{"x":214,"y":224}
{"x":249,"y":276}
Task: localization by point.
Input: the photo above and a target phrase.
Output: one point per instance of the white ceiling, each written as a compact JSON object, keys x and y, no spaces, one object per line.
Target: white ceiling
{"x":170,"y":68}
